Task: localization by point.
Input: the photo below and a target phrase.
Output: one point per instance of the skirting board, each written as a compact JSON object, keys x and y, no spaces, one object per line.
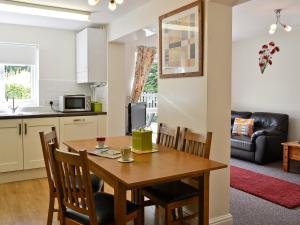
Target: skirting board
{"x":220,"y":220}
{"x":22,"y":175}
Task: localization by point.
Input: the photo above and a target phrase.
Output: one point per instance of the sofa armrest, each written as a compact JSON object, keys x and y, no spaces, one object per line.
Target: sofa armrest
{"x":268,"y":148}
{"x":266,"y":132}
{"x":256,"y":134}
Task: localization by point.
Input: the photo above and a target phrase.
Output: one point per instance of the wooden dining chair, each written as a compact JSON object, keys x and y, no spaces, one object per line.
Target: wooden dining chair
{"x":81,"y":206}
{"x":51,"y":138}
{"x":167,"y":136}
{"x":177,"y":194}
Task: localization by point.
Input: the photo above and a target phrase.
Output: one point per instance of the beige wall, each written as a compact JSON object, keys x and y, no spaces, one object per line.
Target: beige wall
{"x":218,"y":66}
{"x":277,"y":90}
{"x":116,"y":90}
{"x":199,"y":103}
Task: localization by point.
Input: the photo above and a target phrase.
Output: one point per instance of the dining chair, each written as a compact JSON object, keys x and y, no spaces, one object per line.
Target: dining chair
{"x":167,"y":136}
{"x":51,"y":138}
{"x":81,"y":206}
{"x":177,"y":194}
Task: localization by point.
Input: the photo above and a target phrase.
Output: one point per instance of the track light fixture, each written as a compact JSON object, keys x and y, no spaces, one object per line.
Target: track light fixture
{"x":274,"y":26}
{"x":112,"y":4}
{"x":93,"y":2}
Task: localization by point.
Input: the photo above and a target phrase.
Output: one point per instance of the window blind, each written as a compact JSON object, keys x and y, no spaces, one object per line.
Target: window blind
{"x":18,"y":54}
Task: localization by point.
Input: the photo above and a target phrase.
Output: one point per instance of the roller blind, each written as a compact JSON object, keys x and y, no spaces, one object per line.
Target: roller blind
{"x":18,"y":54}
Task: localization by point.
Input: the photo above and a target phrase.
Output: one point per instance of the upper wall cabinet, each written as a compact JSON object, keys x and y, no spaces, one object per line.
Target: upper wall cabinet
{"x":91,"y":56}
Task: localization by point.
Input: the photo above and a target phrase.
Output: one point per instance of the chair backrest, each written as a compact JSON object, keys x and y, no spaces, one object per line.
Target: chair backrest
{"x":195,"y":143}
{"x":167,"y":136}
{"x":73,"y":181}
{"x":47,"y":139}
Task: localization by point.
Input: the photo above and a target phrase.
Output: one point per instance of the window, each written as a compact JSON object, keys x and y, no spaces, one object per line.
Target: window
{"x":18,"y":74}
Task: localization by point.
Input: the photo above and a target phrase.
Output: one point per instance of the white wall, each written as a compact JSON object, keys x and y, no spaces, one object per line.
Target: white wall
{"x":116,"y":90}
{"x":199,"y":103}
{"x":56,"y":58}
{"x":277,"y":90}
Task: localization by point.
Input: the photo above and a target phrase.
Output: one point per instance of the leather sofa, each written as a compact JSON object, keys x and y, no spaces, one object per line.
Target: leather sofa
{"x":270,"y":130}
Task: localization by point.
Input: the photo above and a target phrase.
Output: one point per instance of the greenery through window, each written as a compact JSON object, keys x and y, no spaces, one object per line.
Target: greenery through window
{"x":16,"y":82}
{"x":151,"y":83}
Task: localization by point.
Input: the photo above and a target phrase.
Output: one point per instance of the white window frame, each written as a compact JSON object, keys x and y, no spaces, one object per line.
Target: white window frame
{"x":34,"y":101}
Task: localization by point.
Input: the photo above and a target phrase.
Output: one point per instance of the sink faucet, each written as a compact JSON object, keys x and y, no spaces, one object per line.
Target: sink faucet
{"x":13,"y":107}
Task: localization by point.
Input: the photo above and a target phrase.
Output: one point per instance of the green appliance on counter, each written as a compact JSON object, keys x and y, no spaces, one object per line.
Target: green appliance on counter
{"x":96,"y":106}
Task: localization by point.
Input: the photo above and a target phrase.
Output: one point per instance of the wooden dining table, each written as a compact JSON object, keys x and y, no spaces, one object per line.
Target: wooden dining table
{"x":147,"y":169}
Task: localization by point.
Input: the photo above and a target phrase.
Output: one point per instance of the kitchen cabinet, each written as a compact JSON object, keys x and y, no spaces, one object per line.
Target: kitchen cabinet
{"x":20,"y":147}
{"x":91,"y":56}
{"x":79,"y":127}
{"x":11,"y":154}
{"x":33,"y":154}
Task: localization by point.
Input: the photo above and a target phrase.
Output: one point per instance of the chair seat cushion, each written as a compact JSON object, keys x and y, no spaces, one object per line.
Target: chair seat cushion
{"x":97,"y":183}
{"x":171,"y":191}
{"x":242,"y":142}
{"x":104,"y":204}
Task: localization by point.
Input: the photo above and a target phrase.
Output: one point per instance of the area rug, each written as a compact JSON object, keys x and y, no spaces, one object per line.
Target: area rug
{"x":275,"y":190}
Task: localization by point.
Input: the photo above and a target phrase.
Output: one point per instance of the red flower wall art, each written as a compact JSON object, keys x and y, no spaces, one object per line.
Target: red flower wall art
{"x":266,"y":54}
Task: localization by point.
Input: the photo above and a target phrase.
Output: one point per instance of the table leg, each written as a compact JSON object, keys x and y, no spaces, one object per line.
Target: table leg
{"x":204,"y":199}
{"x":120,"y":204}
{"x":138,"y":198}
{"x":286,"y":158}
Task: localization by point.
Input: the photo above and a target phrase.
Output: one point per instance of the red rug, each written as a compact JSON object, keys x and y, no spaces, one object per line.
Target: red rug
{"x":269,"y":188}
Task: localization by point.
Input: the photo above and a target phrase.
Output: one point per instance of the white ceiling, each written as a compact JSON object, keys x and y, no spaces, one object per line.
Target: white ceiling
{"x":249,"y":19}
{"x":255,"y":17}
{"x":100,"y":13}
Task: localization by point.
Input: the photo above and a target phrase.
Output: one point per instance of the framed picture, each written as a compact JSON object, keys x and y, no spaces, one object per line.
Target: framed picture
{"x":181,"y":42}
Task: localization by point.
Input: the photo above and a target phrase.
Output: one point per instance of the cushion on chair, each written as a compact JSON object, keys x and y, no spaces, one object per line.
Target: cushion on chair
{"x":236,"y":114}
{"x":243,"y":126}
{"x":242,"y":142}
{"x":104,"y":210}
{"x":172,"y":191}
{"x":97,"y":183}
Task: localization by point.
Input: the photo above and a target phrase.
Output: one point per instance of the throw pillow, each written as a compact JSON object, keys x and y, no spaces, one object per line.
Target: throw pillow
{"x":243,"y":127}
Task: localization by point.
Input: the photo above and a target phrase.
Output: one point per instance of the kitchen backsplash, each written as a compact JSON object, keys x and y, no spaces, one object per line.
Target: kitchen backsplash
{"x":51,"y":89}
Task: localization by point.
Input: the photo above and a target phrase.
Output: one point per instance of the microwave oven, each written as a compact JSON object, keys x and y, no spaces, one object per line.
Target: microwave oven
{"x":74,"y":103}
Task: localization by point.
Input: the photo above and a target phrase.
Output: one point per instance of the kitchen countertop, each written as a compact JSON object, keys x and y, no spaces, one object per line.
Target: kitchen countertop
{"x":28,"y":115}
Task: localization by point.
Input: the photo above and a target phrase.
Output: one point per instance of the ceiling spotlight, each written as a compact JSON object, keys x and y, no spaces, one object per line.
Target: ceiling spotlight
{"x":288,"y":28}
{"x":112,"y":5}
{"x":93,"y":2}
{"x":274,"y":26}
{"x":119,"y":2}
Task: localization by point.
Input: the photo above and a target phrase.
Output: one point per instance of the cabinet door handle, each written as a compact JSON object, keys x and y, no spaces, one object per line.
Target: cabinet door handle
{"x":20,"y":129}
{"x":25,"y":128}
{"x":79,"y":120}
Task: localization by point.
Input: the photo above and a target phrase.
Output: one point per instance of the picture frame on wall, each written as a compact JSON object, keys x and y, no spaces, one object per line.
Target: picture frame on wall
{"x":181,"y":42}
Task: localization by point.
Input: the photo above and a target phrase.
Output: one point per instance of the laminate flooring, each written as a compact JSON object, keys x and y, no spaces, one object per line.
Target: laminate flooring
{"x":26,"y":203}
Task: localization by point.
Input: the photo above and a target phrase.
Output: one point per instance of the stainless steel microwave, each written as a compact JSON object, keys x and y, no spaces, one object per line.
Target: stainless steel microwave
{"x":74,"y":103}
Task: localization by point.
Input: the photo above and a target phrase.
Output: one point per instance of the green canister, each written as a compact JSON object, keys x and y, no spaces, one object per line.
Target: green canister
{"x":96,"y":106}
{"x":142,"y":139}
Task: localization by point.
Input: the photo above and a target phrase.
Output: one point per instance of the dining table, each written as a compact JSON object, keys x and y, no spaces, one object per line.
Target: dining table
{"x":165,"y":165}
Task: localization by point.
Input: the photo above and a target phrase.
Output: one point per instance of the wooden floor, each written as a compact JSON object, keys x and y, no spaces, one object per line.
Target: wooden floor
{"x":26,"y":203}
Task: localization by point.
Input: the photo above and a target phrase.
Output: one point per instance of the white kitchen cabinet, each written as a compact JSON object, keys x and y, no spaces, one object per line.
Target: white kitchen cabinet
{"x":20,"y":147}
{"x":11,"y":153}
{"x":33,"y":154}
{"x":91,"y":56}
{"x":79,"y":127}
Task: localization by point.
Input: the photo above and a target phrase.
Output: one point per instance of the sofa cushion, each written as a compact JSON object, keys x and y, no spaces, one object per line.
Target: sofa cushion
{"x":236,"y":114}
{"x":276,"y":121}
{"x":242,"y":142}
{"x":243,"y":127}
